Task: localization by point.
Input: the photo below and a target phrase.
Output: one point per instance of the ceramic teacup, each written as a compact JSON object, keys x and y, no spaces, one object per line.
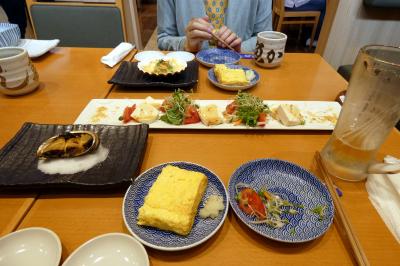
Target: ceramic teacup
{"x":270,"y":48}
{"x":17,"y":74}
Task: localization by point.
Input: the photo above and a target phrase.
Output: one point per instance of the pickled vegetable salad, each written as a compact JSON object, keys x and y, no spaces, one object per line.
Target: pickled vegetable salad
{"x":265,"y":206}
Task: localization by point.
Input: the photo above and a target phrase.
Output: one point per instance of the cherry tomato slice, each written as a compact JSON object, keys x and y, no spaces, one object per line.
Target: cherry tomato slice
{"x":191,"y":115}
{"x":231,"y":108}
{"x":126,"y":117}
{"x":251,"y":204}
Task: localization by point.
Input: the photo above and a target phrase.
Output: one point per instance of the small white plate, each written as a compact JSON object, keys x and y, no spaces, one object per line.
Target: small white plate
{"x":36,"y":48}
{"x":109,"y":249}
{"x":182,"y":55}
{"x":33,"y":246}
{"x":149,"y":55}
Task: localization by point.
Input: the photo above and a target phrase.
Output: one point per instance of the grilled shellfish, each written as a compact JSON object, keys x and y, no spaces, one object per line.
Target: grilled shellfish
{"x":68,"y":145}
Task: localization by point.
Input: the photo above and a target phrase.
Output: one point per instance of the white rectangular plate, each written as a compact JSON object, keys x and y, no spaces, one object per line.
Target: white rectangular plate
{"x":318,"y":115}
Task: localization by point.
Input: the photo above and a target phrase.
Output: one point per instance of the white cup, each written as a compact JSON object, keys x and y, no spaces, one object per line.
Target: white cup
{"x":270,"y":48}
{"x":17,"y":74}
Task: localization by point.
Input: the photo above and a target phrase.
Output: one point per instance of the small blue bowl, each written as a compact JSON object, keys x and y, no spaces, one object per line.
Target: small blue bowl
{"x":210,"y":57}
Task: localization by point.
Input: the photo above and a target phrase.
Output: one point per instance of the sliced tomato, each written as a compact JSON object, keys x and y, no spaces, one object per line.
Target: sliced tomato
{"x":262,"y":119}
{"x":251,"y":204}
{"x":164,"y":106}
{"x":231,"y":108}
{"x":191,"y":115}
{"x":126,"y":117}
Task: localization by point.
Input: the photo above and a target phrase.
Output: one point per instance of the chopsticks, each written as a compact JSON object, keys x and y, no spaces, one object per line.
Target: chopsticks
{"x":341,"y":217}
{"x":219,"y":39}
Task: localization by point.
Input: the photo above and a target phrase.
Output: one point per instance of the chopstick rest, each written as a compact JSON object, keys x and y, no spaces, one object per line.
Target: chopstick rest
{"x":117,"y":54}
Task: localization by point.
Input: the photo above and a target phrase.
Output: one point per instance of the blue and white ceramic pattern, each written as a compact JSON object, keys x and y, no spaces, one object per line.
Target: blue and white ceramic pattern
{"x":202,"y":229}
{"x":290,"y":182}
{"x":213,"y":79}
{"x":210,"y":57}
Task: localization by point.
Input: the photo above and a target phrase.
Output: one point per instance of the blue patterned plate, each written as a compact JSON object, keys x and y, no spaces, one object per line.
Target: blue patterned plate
{"x":202,"y":229}
{"x":290,"y":182}
{"x":213,"y":79}
{"x":210,"y":57}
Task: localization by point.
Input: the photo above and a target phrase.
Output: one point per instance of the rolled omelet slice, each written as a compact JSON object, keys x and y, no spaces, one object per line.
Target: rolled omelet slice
{"x":173,"y":200}
{"x":228,"y":76}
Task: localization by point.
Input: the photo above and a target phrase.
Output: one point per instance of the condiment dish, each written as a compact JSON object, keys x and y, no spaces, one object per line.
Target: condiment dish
{"x":33,"y":246}
{"x":109,"y":249}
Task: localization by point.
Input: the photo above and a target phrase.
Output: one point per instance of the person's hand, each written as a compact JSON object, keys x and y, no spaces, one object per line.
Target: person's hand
{"x":229,"y":37}
{"x":197,"y":31}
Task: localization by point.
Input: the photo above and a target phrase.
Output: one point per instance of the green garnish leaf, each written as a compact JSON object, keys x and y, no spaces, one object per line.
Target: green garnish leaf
{"x":292,"y":231}
{"x":320,"y":211}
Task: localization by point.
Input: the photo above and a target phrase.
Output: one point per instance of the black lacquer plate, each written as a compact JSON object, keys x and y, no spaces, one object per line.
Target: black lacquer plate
{"x":129,"y":75}
{"x":18,"y":161}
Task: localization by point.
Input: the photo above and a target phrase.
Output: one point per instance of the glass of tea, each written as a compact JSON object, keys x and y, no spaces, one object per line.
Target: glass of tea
{"x":369,"y":113}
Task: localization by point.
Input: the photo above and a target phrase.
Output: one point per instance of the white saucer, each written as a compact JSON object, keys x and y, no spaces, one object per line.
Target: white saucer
{"x":185,"y":56}
{"x":149,"y":55}
{"x":109,"y":249}
{"x":33,"y":246}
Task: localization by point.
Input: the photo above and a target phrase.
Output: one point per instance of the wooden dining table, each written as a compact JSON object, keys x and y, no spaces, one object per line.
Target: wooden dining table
{"x":70,"y":77}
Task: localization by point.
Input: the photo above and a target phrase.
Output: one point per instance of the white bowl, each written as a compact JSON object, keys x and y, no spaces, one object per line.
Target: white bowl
{"x":182,"y":55}
{"x":149,"y":55}
{"x":115,"y":249}
{"x":33,"y":246}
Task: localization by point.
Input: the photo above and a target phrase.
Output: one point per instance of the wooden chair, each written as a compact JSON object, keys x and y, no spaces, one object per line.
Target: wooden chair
{"x":283,"y":17}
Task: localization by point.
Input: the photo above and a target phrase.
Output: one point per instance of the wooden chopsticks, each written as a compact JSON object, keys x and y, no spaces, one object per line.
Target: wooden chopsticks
{"x":341,"y":217}
{"x":219,"y":39}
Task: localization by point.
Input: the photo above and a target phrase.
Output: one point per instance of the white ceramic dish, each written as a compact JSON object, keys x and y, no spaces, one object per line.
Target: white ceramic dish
{"x":182,"y":55}
{"x":36,"y":48}
{"x":33,"y":246}
{"x":314,"y":113}
{"x":114,"y":249}
{"x":149,"y":55}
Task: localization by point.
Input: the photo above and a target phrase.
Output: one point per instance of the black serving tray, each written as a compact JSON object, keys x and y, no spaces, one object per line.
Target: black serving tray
{"x":18,"y":161}
{"x":129,"y":75}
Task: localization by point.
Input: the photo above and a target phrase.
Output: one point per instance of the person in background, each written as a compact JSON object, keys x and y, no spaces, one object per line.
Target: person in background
{"x":308,"y":5}
{"x":15,"y":10}
{"x":188,"y":24}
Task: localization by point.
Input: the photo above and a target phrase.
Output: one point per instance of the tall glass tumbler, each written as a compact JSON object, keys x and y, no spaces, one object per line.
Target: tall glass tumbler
{"x":369,"y":113}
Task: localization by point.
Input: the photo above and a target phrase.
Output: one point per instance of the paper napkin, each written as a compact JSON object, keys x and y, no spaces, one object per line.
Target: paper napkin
{"x":384,"y":193}
{"x":117,"y":54}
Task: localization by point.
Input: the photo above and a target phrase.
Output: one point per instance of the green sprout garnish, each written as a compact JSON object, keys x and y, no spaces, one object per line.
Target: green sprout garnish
{"x":320,"y":211}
